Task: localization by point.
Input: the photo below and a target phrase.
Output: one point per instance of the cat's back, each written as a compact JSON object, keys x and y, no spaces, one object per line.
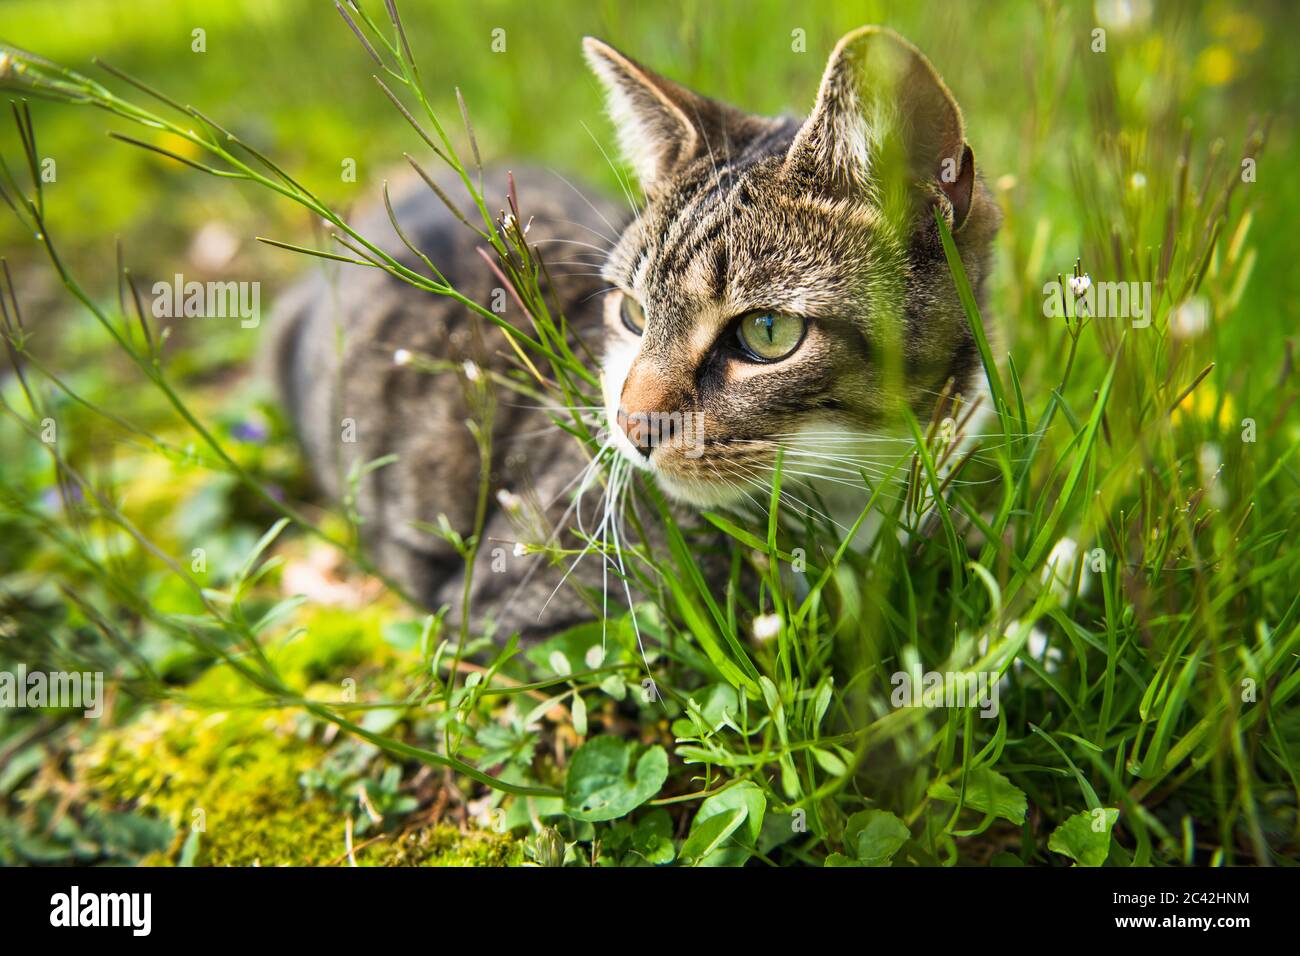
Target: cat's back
{"x":368,"y":366}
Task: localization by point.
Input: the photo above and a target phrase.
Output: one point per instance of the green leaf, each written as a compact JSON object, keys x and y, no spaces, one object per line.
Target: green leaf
{"x":874,"y":836}
{"x":190,"y":849}
{"x":987,"y":791}
{"x":605,"y":782}
{"x":822,"y":704}
{"x":653,"y":837}
{"x":711,"y":835}
{"x":381,"y":720}
{"x":717,"y":703}
{"x":262,"y":544}
{"x":579,"y":711}
{"x":744,"y":796}
{"x":832,"y":764}
{"x":575,"y":644}
{"x":1085,"y":837}
{"x":614,"y":686}
{"x":403,"y":635}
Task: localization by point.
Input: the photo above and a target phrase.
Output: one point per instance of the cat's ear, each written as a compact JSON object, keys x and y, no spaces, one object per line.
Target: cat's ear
{"x":660,"y":124}
{"x":879,"y":90}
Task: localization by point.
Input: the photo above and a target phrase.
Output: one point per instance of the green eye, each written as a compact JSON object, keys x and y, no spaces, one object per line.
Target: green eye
{"x":632,"y":313}
{"x":770,"y":336}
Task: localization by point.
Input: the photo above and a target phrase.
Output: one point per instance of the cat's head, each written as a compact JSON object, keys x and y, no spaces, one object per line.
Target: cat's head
{"x":785,"y":286}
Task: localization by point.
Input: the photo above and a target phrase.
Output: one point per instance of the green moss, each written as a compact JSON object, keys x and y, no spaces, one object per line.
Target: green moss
{"x":447,"y":846}
{"x":234,"y":777}
{"x":237,"y":776}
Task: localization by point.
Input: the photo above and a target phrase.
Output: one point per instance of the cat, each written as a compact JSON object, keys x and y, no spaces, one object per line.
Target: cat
{"x":782,"y":289}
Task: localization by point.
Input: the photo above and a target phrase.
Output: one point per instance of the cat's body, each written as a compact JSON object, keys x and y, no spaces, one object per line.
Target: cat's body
{"x":784,"y":288}
{"x":350,"y":355}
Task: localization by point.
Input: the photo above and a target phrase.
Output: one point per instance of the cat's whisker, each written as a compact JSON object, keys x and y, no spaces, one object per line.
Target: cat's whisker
{"x":613,"y":238}
{"x":840,"y":435}
{"x":567,"y":266}
{"x":906,"y":443}
{"x":581,"y":260}
{"x":555,"y":408}
{"x":604,"y":580}
{"x":610,"y":241}
{"x":859,"y":484}
{"x":605,"y":291}
{"x":570,"y":242}
{"x":736,"y":485}
{"x":808,"y":509}
{"x":627,"y":588}
{"x":618,"y":174}
{"x":575,"y":509}
{"x":585,"y":475}
{"x":855,"y":465}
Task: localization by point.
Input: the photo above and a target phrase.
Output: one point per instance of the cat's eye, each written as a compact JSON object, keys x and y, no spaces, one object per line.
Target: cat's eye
{"x":770,"y":336}
{"x":632,"y":313}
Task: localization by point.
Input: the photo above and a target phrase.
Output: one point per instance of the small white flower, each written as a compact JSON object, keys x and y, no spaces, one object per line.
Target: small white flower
{"x":1079,"y":284}
{"x":402,"y":357}
{"x":472,"y":371}
{"x":521,"y":549}
{"x":1138,"y":181}
{"x":1190,"y":319}
{"x":1209,"y":460}
{"x":1122,"y":16}
{"x":595,"y":656}
{"x":1059,"y":572}
{"x":767,"y":626}
{"x":509,"y":500}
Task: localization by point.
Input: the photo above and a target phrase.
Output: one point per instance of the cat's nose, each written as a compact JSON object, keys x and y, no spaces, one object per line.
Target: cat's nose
{"x":636,"y":427}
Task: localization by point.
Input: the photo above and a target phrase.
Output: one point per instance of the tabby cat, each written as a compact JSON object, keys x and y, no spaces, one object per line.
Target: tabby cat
{"x":782,"y":289}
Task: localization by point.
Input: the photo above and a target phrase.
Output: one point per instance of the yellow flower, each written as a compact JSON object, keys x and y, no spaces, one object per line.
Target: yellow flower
{"x":179,"y":145}
{"x":1200,"y":405}
{"x":1216,"y":65}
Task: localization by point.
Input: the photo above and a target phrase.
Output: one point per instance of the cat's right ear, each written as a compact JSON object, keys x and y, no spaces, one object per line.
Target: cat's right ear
{"x":660,"y":124}
{"x":879,"y":92}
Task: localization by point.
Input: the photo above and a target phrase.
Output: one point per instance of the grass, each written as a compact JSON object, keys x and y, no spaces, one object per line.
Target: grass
{"x":1117,"y":551}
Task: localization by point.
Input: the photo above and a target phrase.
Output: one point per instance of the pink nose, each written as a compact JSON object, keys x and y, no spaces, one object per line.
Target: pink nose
{"x":637,"y":428}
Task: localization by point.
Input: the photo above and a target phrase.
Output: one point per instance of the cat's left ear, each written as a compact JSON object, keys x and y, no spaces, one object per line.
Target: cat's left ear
{"x":879,"y":90}
{"x":660,"y":124}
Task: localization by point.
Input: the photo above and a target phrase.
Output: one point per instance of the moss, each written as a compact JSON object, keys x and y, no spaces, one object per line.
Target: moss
{"x":238,"y":775}
{"x":446,"y":846}
{"x":233,"y":776}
